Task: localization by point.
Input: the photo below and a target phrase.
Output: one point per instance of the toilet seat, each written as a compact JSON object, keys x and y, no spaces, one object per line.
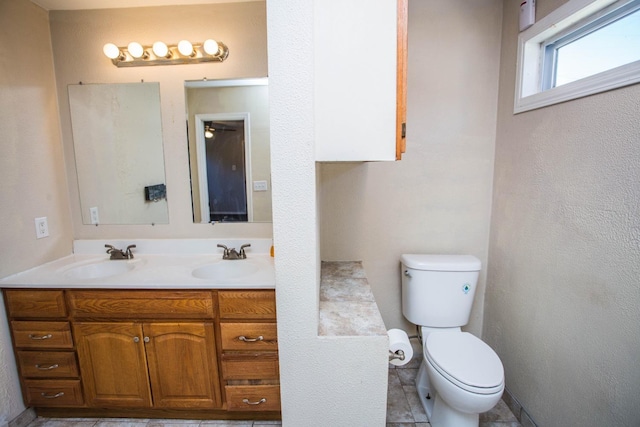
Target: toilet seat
{"x":466,"y":361}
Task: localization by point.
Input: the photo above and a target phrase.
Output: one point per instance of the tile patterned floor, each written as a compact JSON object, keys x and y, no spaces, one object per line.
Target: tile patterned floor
{"x":403,"y":410}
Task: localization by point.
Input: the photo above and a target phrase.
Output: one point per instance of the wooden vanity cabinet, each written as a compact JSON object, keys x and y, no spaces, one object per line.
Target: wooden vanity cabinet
{"x":166,"y":353}
{"x":249,"y":344}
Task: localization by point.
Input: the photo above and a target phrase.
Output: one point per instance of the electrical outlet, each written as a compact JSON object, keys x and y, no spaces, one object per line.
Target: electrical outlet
{"x":42,"y":228}
{"x":93,"y":212}
{"x":260,"y":186}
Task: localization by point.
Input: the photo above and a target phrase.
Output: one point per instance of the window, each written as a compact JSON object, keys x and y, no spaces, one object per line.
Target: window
{"x":582,"y":48}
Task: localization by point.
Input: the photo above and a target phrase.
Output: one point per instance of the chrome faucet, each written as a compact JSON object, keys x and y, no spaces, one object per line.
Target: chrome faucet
{"x":232,"y":253}
{"x":119,"y":253}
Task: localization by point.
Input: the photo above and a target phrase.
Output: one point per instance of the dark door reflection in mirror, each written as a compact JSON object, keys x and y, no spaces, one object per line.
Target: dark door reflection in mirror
{"x":230,"y":170}
{"x":224,"y":142}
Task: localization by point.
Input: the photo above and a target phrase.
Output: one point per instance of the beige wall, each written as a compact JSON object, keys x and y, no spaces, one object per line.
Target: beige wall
{"x":437,"y":199}
{"x":562,"y":287}
{"x":33,"y":179}
{"x":78,"y":37}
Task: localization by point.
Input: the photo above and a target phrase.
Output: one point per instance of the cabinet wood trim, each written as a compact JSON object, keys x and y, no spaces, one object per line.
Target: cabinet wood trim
{"x":401,"y":83}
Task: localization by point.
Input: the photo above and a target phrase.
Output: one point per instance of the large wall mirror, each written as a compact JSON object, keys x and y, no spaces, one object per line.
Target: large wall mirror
{"x":117,"y":139}
{"x":229,"y":153}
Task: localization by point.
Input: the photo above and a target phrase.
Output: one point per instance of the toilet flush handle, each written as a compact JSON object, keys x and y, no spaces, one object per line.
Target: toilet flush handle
{"x":406,"y":273}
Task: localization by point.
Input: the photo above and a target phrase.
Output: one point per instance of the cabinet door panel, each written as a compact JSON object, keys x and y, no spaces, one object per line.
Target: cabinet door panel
{"x":182,"y":365}
{"x":113,"y":364}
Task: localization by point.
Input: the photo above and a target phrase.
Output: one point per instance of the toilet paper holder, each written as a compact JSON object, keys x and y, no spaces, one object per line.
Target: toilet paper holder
{"x":398,"y":354}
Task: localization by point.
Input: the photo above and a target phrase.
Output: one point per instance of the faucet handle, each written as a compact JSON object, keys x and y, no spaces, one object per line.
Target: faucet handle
{"x":110,"y":248}
{"x":222,"y":246}
{"x":242,"y":254}
{"x":128,"y":251}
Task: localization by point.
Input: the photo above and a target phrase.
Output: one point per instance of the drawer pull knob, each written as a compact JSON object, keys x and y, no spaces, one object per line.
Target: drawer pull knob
{"x":245,"y":339}
{"x":52,"y":396}
{"x":136,"y":339}
{"x":248,"y":402}
{"x":47,"y":368}
{"x":41,"y":337}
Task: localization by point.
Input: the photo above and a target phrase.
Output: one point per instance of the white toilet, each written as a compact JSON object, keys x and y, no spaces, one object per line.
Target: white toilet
{"x":460,"y":376}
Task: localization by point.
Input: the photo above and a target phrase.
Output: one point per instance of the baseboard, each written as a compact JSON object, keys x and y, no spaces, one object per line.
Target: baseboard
{"x":24,"y":418}
{"x":516,"y":407}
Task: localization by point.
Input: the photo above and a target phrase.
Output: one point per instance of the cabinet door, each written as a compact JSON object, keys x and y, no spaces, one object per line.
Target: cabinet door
{"x":113,"y":364}
{"x":355,"y":78}
{"x":182,"y":365}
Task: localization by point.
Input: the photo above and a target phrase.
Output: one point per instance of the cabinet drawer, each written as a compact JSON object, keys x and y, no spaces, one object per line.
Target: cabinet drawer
{"x":41,"y":334}
{"x":49,"y":364}
{"x":247,"y":304}
{"x":253,"y":398}
{"x":249,"y":336}
{"x":53,"y":393}
{"x":141,"y":304}
{"x":252,"y":366}
{"x":35,"y":303}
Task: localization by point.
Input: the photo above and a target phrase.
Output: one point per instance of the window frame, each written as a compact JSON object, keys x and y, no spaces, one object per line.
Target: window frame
{"x":567,"y":23}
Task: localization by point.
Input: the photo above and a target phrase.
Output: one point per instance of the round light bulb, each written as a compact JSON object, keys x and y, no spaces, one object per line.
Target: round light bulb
{"x":160,"y":50}
{"x":111,"y":51}
{"x":135,"y":49}
{"x":211,"y":47}
{"x":185,"y":48}
{"x":208,"y":134}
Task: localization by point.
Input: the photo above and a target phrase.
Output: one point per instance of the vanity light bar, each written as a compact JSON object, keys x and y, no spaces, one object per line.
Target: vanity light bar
{"x":136,"y":55}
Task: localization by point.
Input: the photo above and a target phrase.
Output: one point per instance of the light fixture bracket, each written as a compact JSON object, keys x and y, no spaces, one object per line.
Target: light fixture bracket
{"x":174,"y":57}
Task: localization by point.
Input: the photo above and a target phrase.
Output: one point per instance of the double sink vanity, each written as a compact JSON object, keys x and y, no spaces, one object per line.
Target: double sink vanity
{"x":175,"y":331}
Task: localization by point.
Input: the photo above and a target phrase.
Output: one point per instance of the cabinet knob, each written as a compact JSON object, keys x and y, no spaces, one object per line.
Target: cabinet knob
{"x":245,"y":339}
{"x":248,"y":402}
{"x":136,"y":339}
{"x":146,"y":339}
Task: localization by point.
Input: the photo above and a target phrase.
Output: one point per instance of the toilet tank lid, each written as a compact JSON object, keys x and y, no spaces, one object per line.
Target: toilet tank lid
{"x":430,"y":262}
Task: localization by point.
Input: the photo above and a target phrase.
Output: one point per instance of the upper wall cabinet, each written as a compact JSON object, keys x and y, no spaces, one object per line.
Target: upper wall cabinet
{"x":360,"y":79}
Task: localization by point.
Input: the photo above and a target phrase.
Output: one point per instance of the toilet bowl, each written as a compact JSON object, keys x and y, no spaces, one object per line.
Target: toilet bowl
{"x":464,"y":371}
{"x":460,"y":376}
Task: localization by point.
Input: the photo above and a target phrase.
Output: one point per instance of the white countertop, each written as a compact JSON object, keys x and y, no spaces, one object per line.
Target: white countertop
{"x":157,"y":264}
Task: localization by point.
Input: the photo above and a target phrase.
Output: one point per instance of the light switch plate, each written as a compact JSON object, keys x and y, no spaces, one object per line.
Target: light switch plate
{"x":260,"y":186}
{"x":42,"y":228}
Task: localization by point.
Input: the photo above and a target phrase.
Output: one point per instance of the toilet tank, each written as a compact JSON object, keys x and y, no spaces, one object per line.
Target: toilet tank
{"x":438,"y":290}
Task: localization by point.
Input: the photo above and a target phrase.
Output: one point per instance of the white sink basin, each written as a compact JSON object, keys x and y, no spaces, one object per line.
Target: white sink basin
{"x":98,"y":269}
{"x":226,"y":270}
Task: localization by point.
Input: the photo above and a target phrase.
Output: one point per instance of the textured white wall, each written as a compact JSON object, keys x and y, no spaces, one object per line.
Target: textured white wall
{"x":437,"y":199}
{"x":33,"y":180}
{"x":324,"y":381}
{"x":564,"y":263}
